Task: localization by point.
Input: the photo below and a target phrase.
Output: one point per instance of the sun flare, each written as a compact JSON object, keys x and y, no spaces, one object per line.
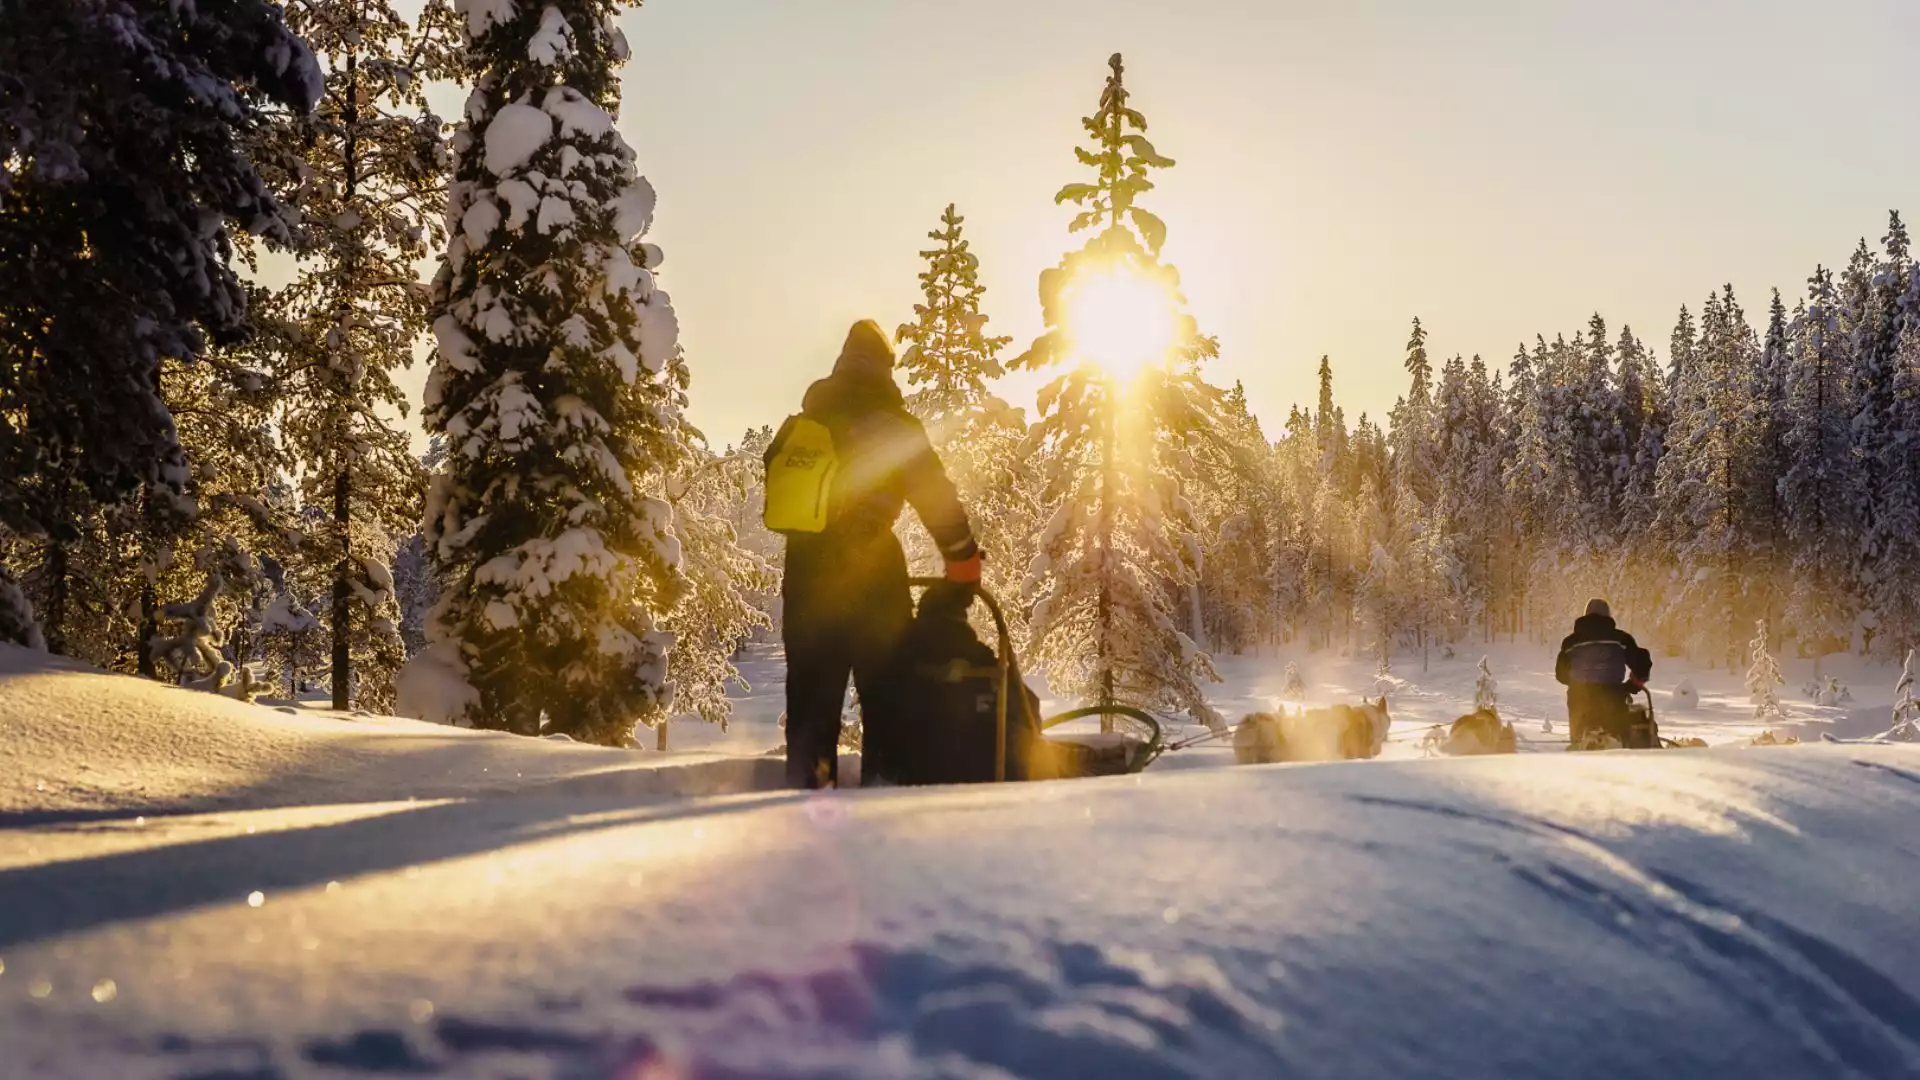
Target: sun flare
{"x":1121,"y":320}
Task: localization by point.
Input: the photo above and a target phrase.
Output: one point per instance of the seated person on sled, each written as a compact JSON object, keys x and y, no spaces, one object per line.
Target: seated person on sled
{"x":1602,"y":667}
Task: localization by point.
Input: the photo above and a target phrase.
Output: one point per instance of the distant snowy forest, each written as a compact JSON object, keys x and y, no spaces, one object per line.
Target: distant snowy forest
{"x":208,"y":479}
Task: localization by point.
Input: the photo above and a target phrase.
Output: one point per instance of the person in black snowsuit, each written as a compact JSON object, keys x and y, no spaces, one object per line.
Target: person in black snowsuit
{"x":846,"y":602}
{"x":1602,"y":667}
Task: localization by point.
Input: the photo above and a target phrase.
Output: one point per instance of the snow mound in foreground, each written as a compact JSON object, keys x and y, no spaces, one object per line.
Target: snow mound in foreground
{"x":75,"y":741}
{"x":1659,"y":914}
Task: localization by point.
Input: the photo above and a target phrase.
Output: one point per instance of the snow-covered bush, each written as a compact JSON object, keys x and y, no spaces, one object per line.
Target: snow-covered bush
{"x":1686,"y":697}
{"x":192,"y":650}
{"x":433,"y":686}
{"x":17,"y":625}
{"x":288,"y":627}
{"x":1834,"y":692}
{"x":1292,"y":687}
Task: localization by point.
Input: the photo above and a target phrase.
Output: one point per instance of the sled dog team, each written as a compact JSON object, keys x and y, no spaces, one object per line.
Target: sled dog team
{"x":1600,"y":664}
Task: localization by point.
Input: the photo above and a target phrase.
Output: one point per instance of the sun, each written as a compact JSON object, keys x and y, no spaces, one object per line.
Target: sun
{"x":1121,"y":320}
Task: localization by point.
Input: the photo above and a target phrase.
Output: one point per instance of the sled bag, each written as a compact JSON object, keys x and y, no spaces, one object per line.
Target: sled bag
{"x":949,"y":736}
{"x":801,"y":465}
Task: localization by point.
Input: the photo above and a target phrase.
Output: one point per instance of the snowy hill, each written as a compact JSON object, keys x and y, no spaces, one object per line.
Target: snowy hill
{"x":1723,"y":913}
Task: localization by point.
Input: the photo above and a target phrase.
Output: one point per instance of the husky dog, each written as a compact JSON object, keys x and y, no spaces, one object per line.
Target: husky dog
{"x":1338,"y":733}
{"x":1259,"y":741}
{"x":1480,"y":732}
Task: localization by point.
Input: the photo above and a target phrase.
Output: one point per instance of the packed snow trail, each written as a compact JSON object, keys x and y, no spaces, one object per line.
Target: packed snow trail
{"x":1732,"y":913}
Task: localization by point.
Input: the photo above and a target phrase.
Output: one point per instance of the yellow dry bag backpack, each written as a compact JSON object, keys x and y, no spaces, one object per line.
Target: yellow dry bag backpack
{"x":801,"y":466}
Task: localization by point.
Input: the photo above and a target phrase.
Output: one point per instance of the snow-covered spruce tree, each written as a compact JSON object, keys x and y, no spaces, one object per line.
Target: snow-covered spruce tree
{"x":1820,"y":520}
{"x":1411,"y":424}
{"x":1377,"y":594}
{"x":1641,"y":567}
{"x":1762,"y":467}
{"x":717,"y":614}
{"x":1764,"y":678}
{"x":949,"y":358}
{"x":1698,"y":481}
{"x":1892,"y":543}
{"x":1112,"y":560}
{"x":948,"y":362}
{"x":1462,"y":524}
{"x":123,"y":163}
{"x":1236,"y":516}
{"x":1906,"y":705}
{"x":1486,"y":690}
{"x":553,"y":386}
{"x":369,"y":181}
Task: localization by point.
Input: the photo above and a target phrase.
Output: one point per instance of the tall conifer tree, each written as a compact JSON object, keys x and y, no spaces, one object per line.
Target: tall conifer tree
{"x":558,"y":384}
{"x":1116,"y":554}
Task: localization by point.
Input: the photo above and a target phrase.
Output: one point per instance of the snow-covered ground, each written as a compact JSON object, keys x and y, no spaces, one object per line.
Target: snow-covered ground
{"x":232,"y":891}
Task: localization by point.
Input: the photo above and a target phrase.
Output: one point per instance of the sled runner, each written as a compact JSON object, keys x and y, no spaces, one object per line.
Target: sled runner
{"x":975,"y":721}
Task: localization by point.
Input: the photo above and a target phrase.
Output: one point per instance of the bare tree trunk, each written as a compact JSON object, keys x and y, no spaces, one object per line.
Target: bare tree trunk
{"x":149,"y":627}
{"x":342,"y":597}
{"x":1108,"y":485}
{"x":54,"y":619}
{"x":343,"y":483}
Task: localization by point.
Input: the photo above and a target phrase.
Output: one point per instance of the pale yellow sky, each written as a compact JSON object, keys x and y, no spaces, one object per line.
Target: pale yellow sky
{"x":1497,"y":167}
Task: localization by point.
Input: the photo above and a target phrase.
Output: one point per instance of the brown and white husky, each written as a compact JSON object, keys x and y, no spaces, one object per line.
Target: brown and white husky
{"x":1337,"y":733}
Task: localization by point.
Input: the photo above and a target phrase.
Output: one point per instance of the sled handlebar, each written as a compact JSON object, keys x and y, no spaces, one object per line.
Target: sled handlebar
{"x":1002,"y":666}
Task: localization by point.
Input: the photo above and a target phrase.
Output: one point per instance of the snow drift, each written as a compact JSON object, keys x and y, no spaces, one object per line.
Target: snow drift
{"x":76,"y":742}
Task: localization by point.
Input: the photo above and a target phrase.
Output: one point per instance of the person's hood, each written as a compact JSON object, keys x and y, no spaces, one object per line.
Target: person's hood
{"x":855,"y":390}
{"x":867,"y":351}
{"x":1593,"y":624}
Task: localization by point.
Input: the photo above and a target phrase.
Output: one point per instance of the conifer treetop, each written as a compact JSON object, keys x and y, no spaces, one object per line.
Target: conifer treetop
{"x":1121,"y":156}
{"x":949,"y":355}
{"x":1128,"y":239}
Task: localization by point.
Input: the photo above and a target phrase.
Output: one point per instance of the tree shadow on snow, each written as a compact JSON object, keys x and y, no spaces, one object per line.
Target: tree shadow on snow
{"x":61,"y":898}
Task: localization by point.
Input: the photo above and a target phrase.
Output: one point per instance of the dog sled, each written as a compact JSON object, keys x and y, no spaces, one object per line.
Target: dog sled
{"x":1642,"y":730}
{"x":964,"y":686}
